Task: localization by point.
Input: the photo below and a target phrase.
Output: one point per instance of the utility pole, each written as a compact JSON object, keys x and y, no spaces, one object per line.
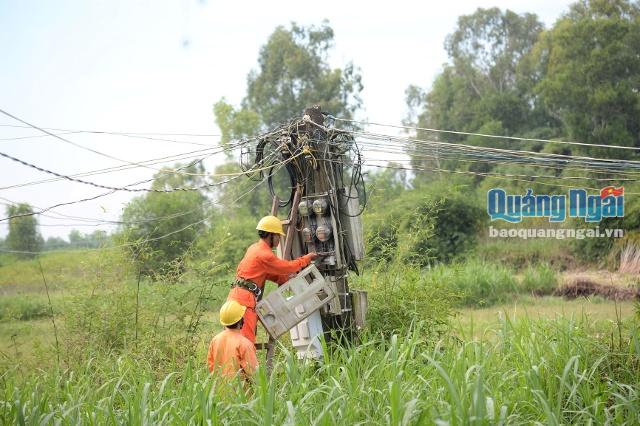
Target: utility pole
{"x":323,"y":216}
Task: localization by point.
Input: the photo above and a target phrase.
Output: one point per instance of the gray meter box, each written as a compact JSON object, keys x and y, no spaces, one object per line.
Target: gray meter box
{"x":294,"y":301}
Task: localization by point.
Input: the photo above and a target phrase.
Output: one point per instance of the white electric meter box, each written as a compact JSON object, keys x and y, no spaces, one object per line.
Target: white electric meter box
{"x":305,"y":337}
{"x":294,"y":301}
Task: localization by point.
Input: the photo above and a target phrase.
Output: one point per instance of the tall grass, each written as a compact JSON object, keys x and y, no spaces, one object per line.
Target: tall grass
{"x":630,"y":259}
{"x":476,"y":282}
{"x":539,"y":280}
{"x":548,"y":372}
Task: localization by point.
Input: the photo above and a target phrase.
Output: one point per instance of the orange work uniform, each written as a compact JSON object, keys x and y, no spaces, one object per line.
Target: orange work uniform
{"x":258,"y":265}
{"x":230,"y":352}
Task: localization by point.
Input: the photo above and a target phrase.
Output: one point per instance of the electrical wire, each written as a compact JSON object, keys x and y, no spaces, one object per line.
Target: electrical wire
{"x":83,"y":147}
{"x":111,"y":192}
{"x":422,"y":152}
{"x":159,"y":160}
{"x":485,"y":135}
{"x":72,"y":179}
{"x":147,"y":240}
{"x":207,"y":135}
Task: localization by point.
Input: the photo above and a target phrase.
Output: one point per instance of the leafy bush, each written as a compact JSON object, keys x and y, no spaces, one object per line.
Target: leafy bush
{"x":423,"y":227}
{"x":456,"y":226}
{"x":226,"y":242}
{"x":539,"y":280}
{"x":401,"y":296}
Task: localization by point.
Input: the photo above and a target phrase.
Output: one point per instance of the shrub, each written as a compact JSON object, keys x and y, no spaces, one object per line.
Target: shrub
{"x":539,"y":280}
{"x":596,"y":249}
{"x":423,"y":227}
{"x":400,"y":296}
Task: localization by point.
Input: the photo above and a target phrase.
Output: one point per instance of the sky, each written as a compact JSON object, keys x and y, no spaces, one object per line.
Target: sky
{"x":159,"y":66}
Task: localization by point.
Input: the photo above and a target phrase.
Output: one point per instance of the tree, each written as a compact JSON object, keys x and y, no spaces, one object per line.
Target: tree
{"x":590,"y":63}
{"x":95,"y":239}
{"x":165,"y":224}
{"x":55,"y":243}
{"x":482,"y":82}
{"x":483,"y":86}
{"x":23,"y":234}
{"x":293,"y":73}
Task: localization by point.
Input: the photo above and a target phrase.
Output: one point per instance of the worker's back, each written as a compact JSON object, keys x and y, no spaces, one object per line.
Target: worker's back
{"x":229,"y":352}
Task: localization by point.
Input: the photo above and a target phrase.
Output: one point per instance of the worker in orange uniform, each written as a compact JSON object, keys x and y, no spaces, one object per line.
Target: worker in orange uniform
{"x":260,"y":264}
{"x":231,"y":353}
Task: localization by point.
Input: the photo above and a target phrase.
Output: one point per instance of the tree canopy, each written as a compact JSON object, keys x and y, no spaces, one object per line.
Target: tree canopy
{"x":164,"y":225}
{"x":293,"y":73}
{"x":23,"y":236}
{"x":506,"y":75}
{"x":590,"y":63}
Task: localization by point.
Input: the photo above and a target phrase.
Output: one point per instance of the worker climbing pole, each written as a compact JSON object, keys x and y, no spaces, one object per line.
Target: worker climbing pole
{"x":323,"y":204}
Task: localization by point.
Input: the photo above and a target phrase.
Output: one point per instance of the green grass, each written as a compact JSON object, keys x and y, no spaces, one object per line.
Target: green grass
{"x":600,"y":311}
{"x":130,"y":355}
{"x":547,"y":371}
{"x":538,"y":280}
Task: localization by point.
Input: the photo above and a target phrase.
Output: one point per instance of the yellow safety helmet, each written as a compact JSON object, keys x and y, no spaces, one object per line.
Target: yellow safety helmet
{"x":270,"y":224}
{"x":231,"y":312}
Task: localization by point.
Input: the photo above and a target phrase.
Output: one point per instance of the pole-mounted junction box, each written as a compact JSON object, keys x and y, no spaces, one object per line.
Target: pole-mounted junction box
{"x":294,"y":301}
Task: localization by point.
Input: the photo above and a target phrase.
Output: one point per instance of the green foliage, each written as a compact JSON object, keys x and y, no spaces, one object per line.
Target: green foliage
{"x":524,"y":372}
{"x":293,"y":74}
{"x":478,"y":283}
{"x":597,"y":249}
{"x":400,"y":296}
{"x":539,"y":280}
{"x":517,"y":254}
{"x":55,"y":243}
{"x":590,"y":62}
{"x":23,"y":308}
{"x":227,"y":242}
{"x":23,"y":234}
{"x":423,"y":226}
{"x":151,"y":219}
{"x":95,"y":239}
{"x":482,"y":89}
{"x":242,"y":195}
{"x":234,"y":124}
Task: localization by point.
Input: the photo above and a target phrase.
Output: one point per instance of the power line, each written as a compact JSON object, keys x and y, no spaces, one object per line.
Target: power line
{"x":486,"y":135}
{"x":234,"y":176}
{"x":41,"y":169}
{"x":173,"y":158}
{"x":436,"y":155}
{"x":119,"y":132}
{"x":235,"y":201}
{"x":128,"y":135}
{"x":501,"y":151}
{"x":159,"y":160}
{"x":76,"y":144}
{"x":517,"y":178}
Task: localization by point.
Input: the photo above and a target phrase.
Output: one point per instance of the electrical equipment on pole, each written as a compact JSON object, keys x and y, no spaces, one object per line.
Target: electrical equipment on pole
{"x":324,"y":201}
